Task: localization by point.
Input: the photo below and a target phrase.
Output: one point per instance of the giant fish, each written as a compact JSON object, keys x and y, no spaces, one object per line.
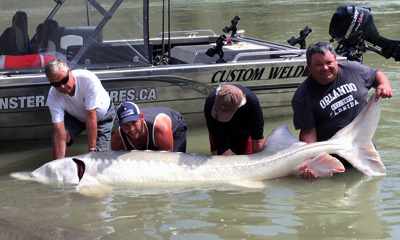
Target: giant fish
{"x":281,"y":156}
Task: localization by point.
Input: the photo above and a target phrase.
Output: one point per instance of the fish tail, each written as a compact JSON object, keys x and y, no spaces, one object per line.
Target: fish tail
{"x":356,"y":140}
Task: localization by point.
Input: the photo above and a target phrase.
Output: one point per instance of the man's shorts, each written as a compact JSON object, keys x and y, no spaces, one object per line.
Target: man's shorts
{"x":104,"y":128}
{"x":180,"y":138}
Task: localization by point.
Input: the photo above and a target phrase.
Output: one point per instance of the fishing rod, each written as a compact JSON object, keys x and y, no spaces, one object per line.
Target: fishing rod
{"x":162,"y":59}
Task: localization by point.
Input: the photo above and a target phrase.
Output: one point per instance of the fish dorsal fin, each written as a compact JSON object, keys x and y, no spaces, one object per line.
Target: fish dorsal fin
{"x":280,"y":139}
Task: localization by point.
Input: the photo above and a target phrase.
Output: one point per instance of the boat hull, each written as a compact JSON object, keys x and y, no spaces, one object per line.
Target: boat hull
{"x":178,"y":72}
{"x":24,"y":114}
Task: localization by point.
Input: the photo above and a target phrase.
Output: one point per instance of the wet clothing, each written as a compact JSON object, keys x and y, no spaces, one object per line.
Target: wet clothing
{"x":247,"y":122}
{"x":329,"y":108}
{"x":150,"y":114}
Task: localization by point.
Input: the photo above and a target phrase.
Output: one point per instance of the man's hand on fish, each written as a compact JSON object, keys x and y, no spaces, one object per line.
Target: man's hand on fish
{"x":308,"y":173}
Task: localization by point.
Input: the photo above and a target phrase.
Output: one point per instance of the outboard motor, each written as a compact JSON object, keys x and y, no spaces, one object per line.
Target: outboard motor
{"x":354,"y":29}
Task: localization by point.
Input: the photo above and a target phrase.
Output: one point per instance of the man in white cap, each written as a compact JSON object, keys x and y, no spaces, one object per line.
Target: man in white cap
{"x":152,"y":128}
{"x":235,"y":121}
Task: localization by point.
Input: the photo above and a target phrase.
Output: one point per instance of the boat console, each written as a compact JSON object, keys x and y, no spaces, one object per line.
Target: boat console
{"x":113,"y":53}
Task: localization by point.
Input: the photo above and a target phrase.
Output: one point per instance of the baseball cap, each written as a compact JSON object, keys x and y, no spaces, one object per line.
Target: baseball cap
{"x":227,"y":102}
{"x":127,"y":112}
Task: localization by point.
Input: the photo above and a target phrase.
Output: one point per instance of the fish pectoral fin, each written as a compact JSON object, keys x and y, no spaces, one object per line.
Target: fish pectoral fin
{"x":248,"y":184}
{"x":92,"y":188}
{"x":323,"y":165}
{"x":96,"y":191}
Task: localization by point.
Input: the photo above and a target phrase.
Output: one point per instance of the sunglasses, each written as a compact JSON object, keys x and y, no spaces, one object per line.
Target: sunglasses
{"x":61,"y":82}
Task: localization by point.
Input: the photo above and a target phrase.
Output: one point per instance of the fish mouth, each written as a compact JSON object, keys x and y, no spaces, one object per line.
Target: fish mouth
{"x":80,"y":167}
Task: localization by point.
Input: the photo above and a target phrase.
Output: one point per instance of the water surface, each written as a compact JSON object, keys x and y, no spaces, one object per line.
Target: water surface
{"x":346,"y":206}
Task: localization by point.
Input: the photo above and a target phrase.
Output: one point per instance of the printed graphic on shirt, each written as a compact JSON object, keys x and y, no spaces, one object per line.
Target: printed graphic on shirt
{"x":336,"y":100}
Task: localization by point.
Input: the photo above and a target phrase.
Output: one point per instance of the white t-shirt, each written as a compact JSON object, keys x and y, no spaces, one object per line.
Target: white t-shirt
{"x":89,"y":94}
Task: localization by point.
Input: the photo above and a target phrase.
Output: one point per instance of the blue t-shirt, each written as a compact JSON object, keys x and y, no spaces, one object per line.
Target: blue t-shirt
{"x":329,"y":108}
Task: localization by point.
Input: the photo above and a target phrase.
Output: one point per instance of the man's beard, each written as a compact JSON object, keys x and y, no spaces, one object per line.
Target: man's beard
{"x":139,"y":132}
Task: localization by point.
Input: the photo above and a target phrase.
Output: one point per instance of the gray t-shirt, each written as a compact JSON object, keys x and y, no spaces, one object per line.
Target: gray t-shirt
{"x":331,"y":107}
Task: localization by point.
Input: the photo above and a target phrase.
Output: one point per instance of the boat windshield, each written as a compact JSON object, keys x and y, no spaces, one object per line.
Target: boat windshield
{"x":91,"y":34}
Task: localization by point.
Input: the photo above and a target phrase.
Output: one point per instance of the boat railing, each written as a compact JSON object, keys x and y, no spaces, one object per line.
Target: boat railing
{"x":282,"y":53}
{"x":189,"y":33}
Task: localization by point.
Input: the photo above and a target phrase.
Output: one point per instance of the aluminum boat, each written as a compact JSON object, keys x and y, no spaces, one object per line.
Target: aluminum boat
{"x":175,"y":69}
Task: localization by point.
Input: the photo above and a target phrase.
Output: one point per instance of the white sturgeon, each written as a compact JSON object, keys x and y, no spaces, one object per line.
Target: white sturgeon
{"x":282,"y":155}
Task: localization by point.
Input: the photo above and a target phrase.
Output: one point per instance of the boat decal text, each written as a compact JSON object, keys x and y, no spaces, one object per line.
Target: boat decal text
{"x":123,"y":95}
{"x":258,"y":73}
{"x":22,"y":102}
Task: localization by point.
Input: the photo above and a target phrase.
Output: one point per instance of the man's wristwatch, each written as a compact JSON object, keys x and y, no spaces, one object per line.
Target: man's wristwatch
{"x":93,"y":149}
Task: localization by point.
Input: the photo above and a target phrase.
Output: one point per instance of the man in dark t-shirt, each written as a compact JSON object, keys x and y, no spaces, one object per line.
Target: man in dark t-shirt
{"x":333,"y":94}
{"x":235,"y":121}
{"x":152,"y":128}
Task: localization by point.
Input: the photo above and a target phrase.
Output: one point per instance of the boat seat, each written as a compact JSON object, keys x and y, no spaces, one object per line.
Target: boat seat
{"x":15,"y":40}
{"x":69,"y":40}
{"x":47,"y":38}
{"x":77,"y":36}
{"x":83,"y":31}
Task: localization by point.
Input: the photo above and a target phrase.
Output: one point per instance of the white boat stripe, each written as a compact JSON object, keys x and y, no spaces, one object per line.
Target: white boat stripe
{"x":2,"y":60}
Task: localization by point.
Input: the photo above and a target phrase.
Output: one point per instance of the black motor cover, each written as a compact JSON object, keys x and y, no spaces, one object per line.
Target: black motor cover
{"x":349,"y":23}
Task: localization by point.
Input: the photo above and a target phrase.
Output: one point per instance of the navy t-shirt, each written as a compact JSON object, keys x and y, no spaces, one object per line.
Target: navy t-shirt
{"x":329,"y":108}
{"x":248,"y":121}
{"x":150,"y":114}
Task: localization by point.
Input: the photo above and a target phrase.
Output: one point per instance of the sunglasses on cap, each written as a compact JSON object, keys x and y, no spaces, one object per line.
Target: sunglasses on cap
{"x":61,"y":82}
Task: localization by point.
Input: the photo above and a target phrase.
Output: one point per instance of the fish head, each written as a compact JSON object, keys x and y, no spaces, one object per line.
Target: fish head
{"x":61,"y":171}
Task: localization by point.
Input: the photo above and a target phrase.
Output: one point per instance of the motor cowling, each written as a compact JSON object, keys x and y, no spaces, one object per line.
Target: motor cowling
{"x":352,"y":25}
{"x":349,"y":23}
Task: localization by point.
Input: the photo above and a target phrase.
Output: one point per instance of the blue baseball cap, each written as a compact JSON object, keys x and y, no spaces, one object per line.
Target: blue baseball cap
{"x":127,"y":112}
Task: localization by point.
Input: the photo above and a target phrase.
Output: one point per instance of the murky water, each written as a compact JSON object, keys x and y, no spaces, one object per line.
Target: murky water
{"x":346,"y":206}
